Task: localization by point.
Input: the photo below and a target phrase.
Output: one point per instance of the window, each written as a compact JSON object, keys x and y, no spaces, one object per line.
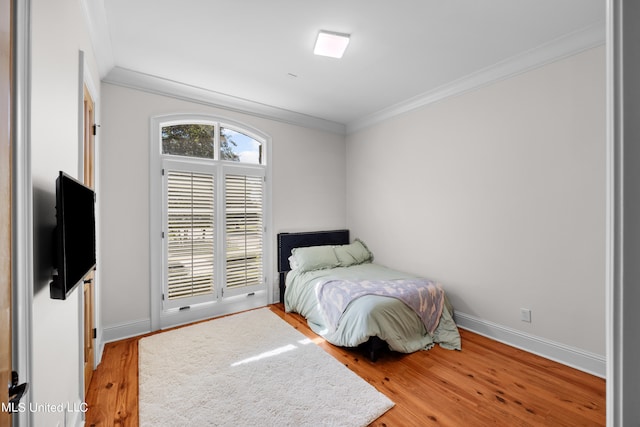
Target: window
{"x":213,"y":206}
{"x":238,"y":147}
{"x":194,"y":140}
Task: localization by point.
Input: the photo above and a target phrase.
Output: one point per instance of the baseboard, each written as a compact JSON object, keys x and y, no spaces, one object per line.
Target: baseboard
{"x":74,"y":414}
{"x":125,"y":330}
{"x":177,"y":318}
{"x":100,"y":346}
{"x":574,"y":357}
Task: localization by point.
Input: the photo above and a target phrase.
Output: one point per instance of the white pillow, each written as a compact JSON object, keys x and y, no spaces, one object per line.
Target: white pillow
{"x":352,"y":254}
{"x":314,"y":258}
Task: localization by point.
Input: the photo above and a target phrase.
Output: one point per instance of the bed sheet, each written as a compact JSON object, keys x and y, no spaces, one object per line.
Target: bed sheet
{"x":371,"y":315}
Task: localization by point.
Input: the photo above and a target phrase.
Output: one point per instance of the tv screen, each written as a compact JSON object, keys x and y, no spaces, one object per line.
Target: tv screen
{"x":74,"y":236}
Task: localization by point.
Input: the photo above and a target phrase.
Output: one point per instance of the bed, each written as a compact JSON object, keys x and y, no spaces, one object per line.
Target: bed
{"x":318,"y":269}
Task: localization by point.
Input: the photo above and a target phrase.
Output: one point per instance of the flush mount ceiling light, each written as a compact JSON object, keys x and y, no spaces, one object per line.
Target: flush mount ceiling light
{"x":331,"y":44}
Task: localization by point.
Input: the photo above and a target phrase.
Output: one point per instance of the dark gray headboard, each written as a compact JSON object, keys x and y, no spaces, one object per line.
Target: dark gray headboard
{"x":288,"y":241}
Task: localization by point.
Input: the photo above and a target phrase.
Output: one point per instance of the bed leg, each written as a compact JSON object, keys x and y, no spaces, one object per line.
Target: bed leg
{"x":374,"y":346}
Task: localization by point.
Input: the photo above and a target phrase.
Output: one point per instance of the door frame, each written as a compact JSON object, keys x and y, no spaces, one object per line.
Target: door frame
{"x":86,"y":83}
{"x":88,"y":140}
{"x":22,"y":203}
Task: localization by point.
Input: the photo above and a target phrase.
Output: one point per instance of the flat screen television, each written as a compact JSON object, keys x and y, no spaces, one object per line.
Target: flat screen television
{"x":74,"y":236}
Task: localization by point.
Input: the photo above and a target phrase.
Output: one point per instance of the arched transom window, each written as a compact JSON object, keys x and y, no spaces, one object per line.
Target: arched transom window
{"x":208,"y":141}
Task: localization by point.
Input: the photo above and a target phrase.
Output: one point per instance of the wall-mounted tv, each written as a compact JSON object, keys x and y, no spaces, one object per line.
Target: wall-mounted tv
{"x":74,"y":236}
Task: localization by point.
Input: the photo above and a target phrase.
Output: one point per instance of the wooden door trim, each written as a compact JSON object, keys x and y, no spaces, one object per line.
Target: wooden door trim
{"x":6,"y":206}
{"x":88,"y":300}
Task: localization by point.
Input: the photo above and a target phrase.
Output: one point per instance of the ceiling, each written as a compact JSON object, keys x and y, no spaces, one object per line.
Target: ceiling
{"x":261,"y":51}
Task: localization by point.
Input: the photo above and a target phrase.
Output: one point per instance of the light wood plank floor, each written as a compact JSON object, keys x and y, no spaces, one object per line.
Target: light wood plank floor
{"x":487,"y":383}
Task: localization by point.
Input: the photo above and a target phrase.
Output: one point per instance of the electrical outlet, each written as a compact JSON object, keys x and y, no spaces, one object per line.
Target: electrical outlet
{"x":525,"y":315}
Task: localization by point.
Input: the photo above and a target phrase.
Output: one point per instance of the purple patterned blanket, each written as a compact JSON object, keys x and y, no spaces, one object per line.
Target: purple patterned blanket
{"x":424,"y":296}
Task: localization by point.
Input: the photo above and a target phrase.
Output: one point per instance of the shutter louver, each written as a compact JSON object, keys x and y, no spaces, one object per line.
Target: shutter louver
{"x":190,"y":234}
{"x":244,"y":230}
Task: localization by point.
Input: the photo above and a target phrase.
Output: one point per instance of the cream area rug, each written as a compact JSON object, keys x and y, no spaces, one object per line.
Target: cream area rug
{"x":249,"y":369}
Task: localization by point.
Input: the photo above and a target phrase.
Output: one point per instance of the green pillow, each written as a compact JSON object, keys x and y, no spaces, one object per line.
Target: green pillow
{"x":352,"y":254}
{"x":314,"y":258}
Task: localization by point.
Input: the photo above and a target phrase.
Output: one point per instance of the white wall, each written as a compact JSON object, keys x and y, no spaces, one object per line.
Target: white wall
{"x":499,"y":194}
{"x":58,"y":34}
{"x":308,"y":192}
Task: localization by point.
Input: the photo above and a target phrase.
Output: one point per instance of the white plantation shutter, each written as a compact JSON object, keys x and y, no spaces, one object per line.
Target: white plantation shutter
{"x":190,"y":237}
{"x":244,"y":231}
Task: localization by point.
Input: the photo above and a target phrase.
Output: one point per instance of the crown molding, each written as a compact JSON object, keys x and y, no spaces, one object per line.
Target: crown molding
{"x":161,"y":86}
{"x":547,"y":53}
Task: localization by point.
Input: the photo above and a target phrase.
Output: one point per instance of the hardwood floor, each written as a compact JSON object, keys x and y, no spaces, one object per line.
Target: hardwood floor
{"x":487,"y":383}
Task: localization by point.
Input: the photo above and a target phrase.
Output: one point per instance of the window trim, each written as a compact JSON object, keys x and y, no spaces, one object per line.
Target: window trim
{"x":159,"y":317}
